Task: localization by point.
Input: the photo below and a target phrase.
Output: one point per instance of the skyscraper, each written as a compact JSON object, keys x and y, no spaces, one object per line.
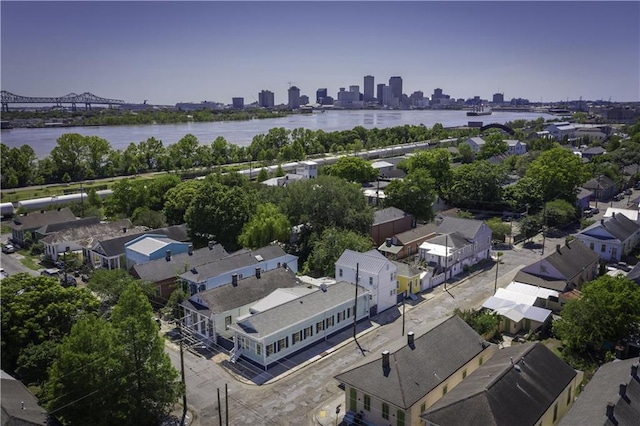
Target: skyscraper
{"x":238,"y":102}
{"x":388,"y":99}
{"x":321,"y":94}
{"x":498,"y":98}
{"x":266,"y":99}
{"x":368,"y":88}
{"x":396,"y":87}
{"x":294,"y":97}
{"x":379,"y":91}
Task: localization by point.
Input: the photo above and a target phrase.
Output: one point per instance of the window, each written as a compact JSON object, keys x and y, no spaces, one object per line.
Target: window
{"x":348,"y":312}
{"x":259,"y":349}
{"x":353,"y":401}
{"x":296,"y":337}
{"x":340,"y":272}
{"x":569,"y":396}
{"x":602,"y":248}
{"x":270,"y":349}
{"x":367,"y":402}
{"x":283,"y":343}
{"x":400,"y":418}
{"x":423,"y":407}
{"x":409,"y":250}
{"x":370,"y":280}
{"x":340,"y":316}
{"x":592,"y":246}
{"x":319,"y":326}
{"x":445,"y":389}
{"x":464,"y":374}
{"x":227,"y":322}
{"x":385,"y":411}
{"x":329,"y":322}
{"x":555,"y":412}
{"x":308,"y":332}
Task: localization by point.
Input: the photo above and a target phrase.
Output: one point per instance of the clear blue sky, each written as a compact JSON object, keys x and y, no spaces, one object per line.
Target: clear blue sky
{"x":170,"y":52}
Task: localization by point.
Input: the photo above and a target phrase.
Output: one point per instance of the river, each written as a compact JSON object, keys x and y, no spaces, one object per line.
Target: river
{"x":43,"y":140}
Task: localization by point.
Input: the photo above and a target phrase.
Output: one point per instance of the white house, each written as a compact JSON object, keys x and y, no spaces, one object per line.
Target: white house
{"x":376,"y":274}
{"x":476,"y":143}
{"x":612,"y":237}
{"x":561,"y":129}
{"x":308,"y":169}
{"x":268,"y":336}
{"x":515,"y":147}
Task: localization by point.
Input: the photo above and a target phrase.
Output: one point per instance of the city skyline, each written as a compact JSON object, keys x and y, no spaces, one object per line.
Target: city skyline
{"x":170,"y":52}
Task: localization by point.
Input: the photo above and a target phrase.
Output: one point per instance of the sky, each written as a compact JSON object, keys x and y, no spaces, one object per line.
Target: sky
{"x":178,"y":51}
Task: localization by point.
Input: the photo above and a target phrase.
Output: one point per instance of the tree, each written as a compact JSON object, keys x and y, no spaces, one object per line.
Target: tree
{"x":476,"y":185}
{"x":262,"y":175}
{"x":38,"y":309}
{"x":414,"y":194}
{"x":144,"y":216}
{"x":494,"y":145}
{"x":559,"y":212}
{"x":178,"y":199}
{"x":353,"y":169}
{"x":87,"y":382}
{"x":68,"y":155}
{"x":437,"y":163}
{"x":607,"y":312}
{"x":499,"y":229}
{"x":329,"y":246}
{"x":557,"y":172}
{"x":466,"y":153}
{"x":109,"y":284}
{"x":268,"y":224}
{"x":146,"y":372}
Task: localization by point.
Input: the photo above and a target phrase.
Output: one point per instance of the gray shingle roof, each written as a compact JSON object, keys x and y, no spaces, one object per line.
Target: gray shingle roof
{"x":115,"y":246}
{"x":387,"y":215}
{"x":604,"y":387}
{"x":620,"y":226}
{"x":248,"y":290}
{"x":572,"y":258}
{"x":504,"y":394}
{"x":416,"y":371}
{"x":14,"y":395}
{"x":452,"y":240}
{"x":38,"y":220}
{"x":63,"y":226}
{"x":88,"y":233}
{"x":371,"y":261}
{"x":416,"y":233}
{"x":267,"y":322}
{"x":160,"y":270}
{"x":237,"y":260}
{"x":553,"y":284}
{"x":467,"y":227}
{"x":405,"y":270}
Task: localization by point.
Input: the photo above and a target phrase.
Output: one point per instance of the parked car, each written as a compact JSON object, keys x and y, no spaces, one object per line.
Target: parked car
{"x":8,"y":248}
{"x":624,"y":266}
{"x":587,"y":212}
{"x":618,"y":197}
{"x":628,"y":191}
{"x":68,"y":281}
{"x":50,"y":272}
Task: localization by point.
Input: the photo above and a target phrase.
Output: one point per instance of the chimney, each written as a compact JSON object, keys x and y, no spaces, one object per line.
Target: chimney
{"x":22,"y":405}
{"x":385,"y":359}
{"x":558,"y":248}
{"x":623,"y":390}
{"x":634,"y":370}
{"x":388,"y":242}
{"x":190,"y":249}
{"x":410,"y":339}
{"x":258,"y":272}
{"x":234,"y":280}
{"x":610,"y":407}
{"x":124,"y":230}
{"x":168,"y":255}
{"x":613,"y":214}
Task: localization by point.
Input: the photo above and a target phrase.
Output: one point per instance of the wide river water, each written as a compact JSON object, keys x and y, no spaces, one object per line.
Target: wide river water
{"x":43,"y":140}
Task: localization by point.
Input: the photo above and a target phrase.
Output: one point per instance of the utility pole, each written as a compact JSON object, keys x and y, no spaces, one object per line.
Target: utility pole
{"x":184,"y":384}
{"x":226,"y":405}
{"x":495,"y":285}
{"x":403,"y":316}
{"x":446,"y":259}
{"x":355,"y":302}
{"x":544,"y":230}
{"x":219,"y":409}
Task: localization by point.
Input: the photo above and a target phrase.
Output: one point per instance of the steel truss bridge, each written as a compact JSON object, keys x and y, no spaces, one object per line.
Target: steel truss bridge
{"x":85,"y":98}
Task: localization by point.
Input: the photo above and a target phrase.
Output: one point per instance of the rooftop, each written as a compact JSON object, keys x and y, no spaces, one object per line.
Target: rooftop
{"x":159,"y":270}
{"x":39,"y":219}
{"x":372,"y":261}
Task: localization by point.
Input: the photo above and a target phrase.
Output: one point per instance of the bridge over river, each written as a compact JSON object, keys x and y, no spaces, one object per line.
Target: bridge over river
{"x":85,"y":98}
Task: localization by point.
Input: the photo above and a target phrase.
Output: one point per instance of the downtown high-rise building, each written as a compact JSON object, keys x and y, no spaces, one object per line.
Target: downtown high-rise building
{"x":368,"y":88}
{"x":266,"y":99}
{"x":396,"y":87}
{"x":388,"y":98}
{"x":498,"y":98}
{"x":320,"y":95}
{"x":379,"y":92}
{"x":294,"y":97}
{"x":237,"y":102}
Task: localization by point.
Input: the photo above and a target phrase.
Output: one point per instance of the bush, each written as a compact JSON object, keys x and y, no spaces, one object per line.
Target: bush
{"x":37,"y":249}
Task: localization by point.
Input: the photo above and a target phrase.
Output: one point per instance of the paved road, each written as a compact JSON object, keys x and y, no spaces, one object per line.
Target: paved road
{"x":11,"y":262}
{"x":294,"y":399}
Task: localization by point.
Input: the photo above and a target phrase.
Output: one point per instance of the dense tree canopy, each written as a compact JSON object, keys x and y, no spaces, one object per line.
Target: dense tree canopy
{"x":414,"y":194}
{"x":353,"y":169}
{"x":268,"y":224}
{"x":436,"y":162}
{"x":477,"y":185}
{"x":328,"y":247}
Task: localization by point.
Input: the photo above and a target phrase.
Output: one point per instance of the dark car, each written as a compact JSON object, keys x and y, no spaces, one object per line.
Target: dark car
{"x":70,"y":281}
{"x":628,"y":191}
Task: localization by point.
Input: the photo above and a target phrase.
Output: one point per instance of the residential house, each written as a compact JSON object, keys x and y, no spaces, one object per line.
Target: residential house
{"x":544,"y":134}
{"x":517,"y":311}
{"x":634,"y":274}
{"x":543,"y":297}
{"x":460,"y":243}
{"x":374,"y":273}
{"x":164,"y":273}
{"x":269,"y":336}
{"x":521,"y":385}
{"x":52,"y":228}
{"x":208,"y":314}
{"x":80,"y":239}
{"x":515,"y":147}
{"x":611,"y":238}
{"x":409,"y":281}
{"x":388,"y":222}
{"x":565,"y":269}
{"x":590,"y":153}
{"x":631,"y":214}
{"x":413,"y":374}
{"x":109,"y":251}
{"x":562,"y":130}
{"x":602,"y":187}
{"x":383,"y":167}
{"x":19,"y":406}
{"x":149,"y":247}
{"x":593,"y":134}
{"x":611,"y":398}
{"x":24,"y":227}
{"x":476,"y":143}
{"x":283,"y":180}
{"x":407,"y":243}
{"x":583,"y":196}
{"x":241,"y":263}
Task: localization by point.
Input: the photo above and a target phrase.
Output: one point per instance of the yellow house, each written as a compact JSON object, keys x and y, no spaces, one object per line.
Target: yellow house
{"x":408,"y":279}
{"x":396,"y":388}
{"x":521,"y":385}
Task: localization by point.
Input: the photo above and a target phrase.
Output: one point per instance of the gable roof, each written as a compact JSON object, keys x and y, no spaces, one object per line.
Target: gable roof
{"x":14,"y":397}
{"x":416,"y":370}
{"x":516,"y":311}
{"x":234,"y":261}
{"x":371,"y":261}
{"x":603,"y":182}
{"x":160,"y":269}
{"x":571,"y":258}
{"x":477,"y":140}
{"x":86,"y":235}
{"x":405,"y":270}
{"x":63,"y":226}
{"x":515,"y":387}
{"x":420,"y":231}
{"x":545,"y":282}
{"x":115,"y":246}
{"x":388,"y":214}
{"x":618,"y":225}
{"x":248,"y":290}
{"x":39,"y":219}
{"x":604,"y":387}
{"x":454,"y":240}
{"x":467,"y":227}
{"x":268,"y":322}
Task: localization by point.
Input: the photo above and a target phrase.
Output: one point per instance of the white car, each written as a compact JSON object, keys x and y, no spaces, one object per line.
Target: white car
{"x":8,"y":248}
{"x":3,"y":273}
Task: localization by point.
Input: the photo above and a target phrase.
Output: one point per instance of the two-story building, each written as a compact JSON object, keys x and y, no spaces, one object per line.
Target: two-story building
{"x":375,"y":273}
{"x":414,"y":373}
{"x":24,"y":227}
{"x":515,"y":147}
{"x":612,"y":237}
{"x":406,"y":244}
{"x":388,"y":222}
{"x":476,"y":143}
{"x":562,"y":130}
